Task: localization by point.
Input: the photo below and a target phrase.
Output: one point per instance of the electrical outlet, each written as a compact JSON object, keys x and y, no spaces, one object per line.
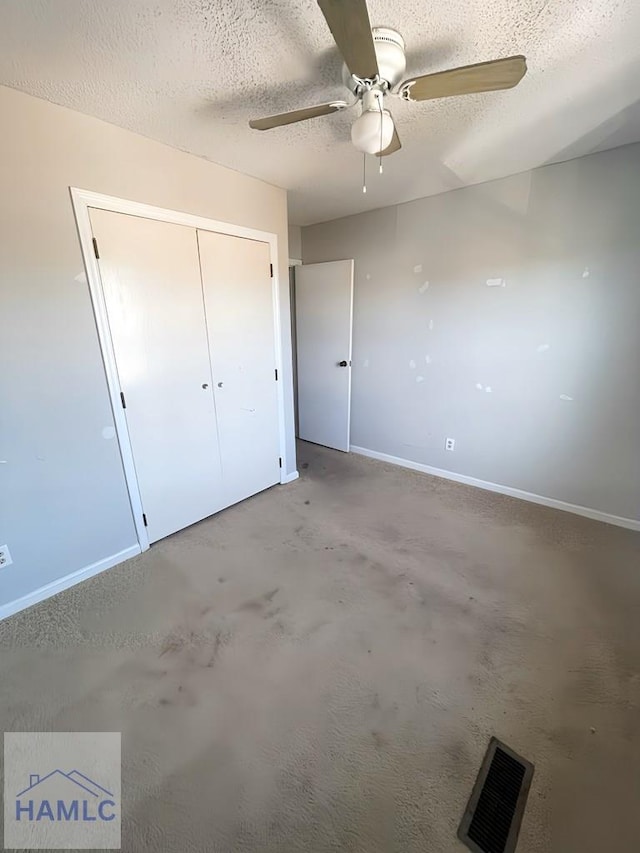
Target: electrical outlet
{"x":5,"y":557}
{"x":450,"y":444}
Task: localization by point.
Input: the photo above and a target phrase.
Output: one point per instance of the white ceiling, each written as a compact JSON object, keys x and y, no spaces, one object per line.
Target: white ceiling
{"x":191,"y":73}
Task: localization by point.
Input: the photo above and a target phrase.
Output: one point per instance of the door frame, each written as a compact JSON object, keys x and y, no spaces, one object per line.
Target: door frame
{"x":82,"y":201}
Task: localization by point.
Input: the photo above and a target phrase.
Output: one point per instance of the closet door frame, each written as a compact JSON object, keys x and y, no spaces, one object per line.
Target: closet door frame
{"x":82,"y":201}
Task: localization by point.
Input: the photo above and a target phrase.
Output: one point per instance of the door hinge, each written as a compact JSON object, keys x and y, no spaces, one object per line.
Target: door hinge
{"x":271,"y":270}
{"x":279,"y":461}
{"x":276,"y":372}
{"x":144,"y":518}
{"x":122,"y":400}
{"x":95,"y":248}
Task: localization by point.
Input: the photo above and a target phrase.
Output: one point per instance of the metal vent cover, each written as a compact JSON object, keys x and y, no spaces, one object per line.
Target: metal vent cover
{"x":493,"y":816}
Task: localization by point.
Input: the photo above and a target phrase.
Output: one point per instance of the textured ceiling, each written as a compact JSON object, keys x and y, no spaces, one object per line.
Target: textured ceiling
{"x":191,"y":73}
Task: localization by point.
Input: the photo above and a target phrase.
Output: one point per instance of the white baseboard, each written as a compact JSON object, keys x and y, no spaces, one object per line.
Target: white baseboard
{"x":67,"y":581}
{"x":596,"y":514}
{"x":289,"y":478}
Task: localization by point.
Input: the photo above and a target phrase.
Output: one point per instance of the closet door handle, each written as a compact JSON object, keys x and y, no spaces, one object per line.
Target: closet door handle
{"x":205,"y":385}
{"x":220,"y":384}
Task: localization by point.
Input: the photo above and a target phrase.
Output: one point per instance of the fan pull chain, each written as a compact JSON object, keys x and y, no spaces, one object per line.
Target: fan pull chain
{"x":380,"y":105}
{"x":364,"y":173}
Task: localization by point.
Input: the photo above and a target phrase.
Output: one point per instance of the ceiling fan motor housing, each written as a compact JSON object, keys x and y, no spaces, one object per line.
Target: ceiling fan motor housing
{"x":392,"y":63}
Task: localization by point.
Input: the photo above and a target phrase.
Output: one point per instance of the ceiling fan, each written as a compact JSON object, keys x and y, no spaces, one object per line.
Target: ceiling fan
{"x":374,"y":64}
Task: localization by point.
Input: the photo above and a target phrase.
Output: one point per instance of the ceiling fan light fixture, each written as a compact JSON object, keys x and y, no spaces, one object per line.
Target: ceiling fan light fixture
{"x":373,"y":131}
{"x":374,"y":64}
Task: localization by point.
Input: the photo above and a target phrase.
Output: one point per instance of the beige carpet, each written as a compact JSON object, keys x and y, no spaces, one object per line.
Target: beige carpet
{"x":321,"y":668}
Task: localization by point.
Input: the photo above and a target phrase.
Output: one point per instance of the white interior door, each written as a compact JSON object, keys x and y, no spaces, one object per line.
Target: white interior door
{"x":239,"y":303}
{"x":324,"y":315}
{"x":152,"y":289}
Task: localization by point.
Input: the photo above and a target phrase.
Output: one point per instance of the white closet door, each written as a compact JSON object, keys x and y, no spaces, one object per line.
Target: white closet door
{"x":152,"y":288}
{"x":238,"y":295}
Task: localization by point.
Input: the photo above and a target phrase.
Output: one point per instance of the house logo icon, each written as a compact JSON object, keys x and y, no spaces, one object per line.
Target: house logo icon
{"x":60,"y":797}
{"x":62,"y":791}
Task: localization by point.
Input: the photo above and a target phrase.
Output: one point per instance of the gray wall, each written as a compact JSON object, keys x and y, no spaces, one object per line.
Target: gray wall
{"x":63,"y":501}
{"x":565,"y":241}
{"x":295,"y":242}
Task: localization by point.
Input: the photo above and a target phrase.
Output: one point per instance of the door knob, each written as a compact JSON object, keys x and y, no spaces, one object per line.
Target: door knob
{"x":205,"y":385}
{"x":220,"y":384}
{"x":342,"y":364}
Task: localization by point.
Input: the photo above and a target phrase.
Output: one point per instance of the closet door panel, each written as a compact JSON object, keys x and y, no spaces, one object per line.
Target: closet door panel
{"x":238,"y":296}
{"x":152,"y":288}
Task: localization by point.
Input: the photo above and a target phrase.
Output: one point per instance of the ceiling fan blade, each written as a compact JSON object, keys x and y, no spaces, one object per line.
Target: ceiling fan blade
{"x":349,"y":23}
{"x":482,"y":77}
{"x":297,"y":115}
{"x":392,"y":147}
